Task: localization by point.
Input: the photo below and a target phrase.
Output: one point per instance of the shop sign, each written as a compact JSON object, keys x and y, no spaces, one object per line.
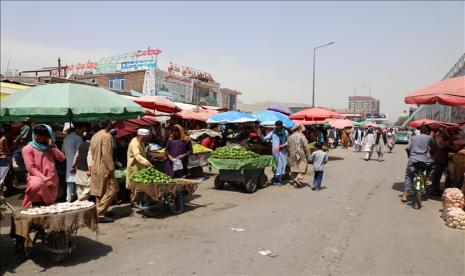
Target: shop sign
{"x":189,"y":72}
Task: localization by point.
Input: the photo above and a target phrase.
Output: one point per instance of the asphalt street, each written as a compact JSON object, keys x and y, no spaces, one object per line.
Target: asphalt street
{"x":357,"y":226}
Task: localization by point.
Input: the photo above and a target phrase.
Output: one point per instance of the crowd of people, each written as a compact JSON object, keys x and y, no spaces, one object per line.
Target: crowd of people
{"x":92,"y":154}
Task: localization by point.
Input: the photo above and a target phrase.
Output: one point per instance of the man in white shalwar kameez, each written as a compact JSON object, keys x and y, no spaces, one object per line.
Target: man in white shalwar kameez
{"x":368,"y":144}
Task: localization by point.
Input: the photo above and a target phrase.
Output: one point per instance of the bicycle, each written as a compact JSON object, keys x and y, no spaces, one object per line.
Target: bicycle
{"x":419,"y":184}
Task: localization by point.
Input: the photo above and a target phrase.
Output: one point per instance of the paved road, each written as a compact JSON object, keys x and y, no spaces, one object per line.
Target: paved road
{"x":355,"y":227}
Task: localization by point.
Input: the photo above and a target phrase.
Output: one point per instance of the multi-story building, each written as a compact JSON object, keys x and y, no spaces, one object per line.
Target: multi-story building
{"x":363,"y":104}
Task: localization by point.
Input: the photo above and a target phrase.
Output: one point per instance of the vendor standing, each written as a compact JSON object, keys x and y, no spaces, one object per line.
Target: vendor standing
{"x":102,"y":178}
{"x":279,"y":146}
{"x":39,"y":157}
{"x":137,"y":158}
{"x":177,"y":150}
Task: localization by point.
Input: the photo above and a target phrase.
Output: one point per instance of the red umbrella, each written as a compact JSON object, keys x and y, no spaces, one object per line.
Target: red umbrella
{"x":201,"y":115}
{"x":158,"y":103}
{"x":315,"y":114}
{"x":450,"y":92}
{"x":434,"y":123}
{"x":308,"y":123}
{"x":340,"y":123}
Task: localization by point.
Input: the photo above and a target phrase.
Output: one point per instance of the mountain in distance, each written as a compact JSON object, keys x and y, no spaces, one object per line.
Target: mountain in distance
{"x":260,"y":106}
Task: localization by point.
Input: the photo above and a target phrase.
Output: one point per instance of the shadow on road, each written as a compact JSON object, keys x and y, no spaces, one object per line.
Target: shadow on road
{"x":334,"y":158}
{"x":158,"y":213}
{"x":399,"y":186}
{"x":86,"y":250}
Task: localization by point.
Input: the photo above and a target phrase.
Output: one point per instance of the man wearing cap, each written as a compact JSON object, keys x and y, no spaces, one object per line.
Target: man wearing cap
{"x":137,"y":158}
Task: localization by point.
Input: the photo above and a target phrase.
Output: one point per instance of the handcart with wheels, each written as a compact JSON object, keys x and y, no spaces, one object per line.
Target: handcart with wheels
{"x":154,"y":198}
{"x":55,"y":233}
{"x":249,"y":173}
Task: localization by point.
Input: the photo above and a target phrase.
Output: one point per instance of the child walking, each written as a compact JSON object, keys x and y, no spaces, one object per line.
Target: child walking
{"x":319,"y":158}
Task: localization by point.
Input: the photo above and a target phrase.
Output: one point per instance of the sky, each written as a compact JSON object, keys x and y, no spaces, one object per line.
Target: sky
{"x":263,"y":49}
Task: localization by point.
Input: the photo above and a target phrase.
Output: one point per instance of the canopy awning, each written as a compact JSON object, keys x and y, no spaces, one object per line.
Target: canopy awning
{"x":449,"y":92}
{"x":131,"y":126}
{"x":231,"y":117}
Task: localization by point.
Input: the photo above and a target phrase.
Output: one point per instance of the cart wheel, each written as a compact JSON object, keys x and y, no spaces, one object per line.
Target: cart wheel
{"x":251,"y":185}
{"x":176,"y":203}
{"x":155,"y":211}
{"x":263,"y":181}
{"x":218,"y":183}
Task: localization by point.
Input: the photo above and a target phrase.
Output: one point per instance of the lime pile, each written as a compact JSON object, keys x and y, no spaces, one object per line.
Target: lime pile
{"x":233,"y":153}
{"x":197,"y":148}
{"x":150,"y":175}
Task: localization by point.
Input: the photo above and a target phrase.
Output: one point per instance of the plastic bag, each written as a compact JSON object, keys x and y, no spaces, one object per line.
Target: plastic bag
{"x":177,"y":165}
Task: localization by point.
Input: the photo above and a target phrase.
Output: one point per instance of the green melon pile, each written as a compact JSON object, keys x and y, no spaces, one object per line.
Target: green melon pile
{"x":150,"y":176}
{"x":233,"y":153}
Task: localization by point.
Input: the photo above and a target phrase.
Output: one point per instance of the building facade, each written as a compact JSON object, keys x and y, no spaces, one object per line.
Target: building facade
{"x":121,"y":81}
{"x":363,"y":104}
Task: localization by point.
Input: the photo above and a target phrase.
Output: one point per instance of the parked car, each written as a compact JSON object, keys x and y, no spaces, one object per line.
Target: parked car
{"x":402,"y":137}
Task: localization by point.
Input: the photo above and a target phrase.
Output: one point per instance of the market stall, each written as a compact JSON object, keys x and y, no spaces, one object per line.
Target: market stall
{"x":237,"y":166}
{"x":55,"y":226}
{"x":158,"y":191}
{"x":196,"y":160}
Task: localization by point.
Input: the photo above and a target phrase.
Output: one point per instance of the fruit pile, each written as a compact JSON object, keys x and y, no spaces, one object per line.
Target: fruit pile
{"x":197,"y":148}
{"x":150,"y":176}
{"x":233,"y":153}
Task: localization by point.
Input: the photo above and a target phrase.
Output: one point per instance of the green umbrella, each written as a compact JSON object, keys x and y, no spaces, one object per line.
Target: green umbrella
{"x":67,"y":102}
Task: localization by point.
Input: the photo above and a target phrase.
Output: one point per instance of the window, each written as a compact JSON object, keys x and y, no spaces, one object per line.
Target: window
{"x":232,"y":102}
{"x":117,"y":83}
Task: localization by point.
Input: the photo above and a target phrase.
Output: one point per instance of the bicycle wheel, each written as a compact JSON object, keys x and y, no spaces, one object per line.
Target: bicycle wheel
{"x":416,"y":200}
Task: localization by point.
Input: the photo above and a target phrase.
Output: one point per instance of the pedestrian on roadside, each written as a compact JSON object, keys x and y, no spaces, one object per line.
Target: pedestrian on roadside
{"x":319,"y":158}
{"x":299,"y":154}
{"x":391,"y":139}
{"x":279,"y":145}
{"x":358,"y":136}
{"x":368,"y":144}
{"x":381,"y":141}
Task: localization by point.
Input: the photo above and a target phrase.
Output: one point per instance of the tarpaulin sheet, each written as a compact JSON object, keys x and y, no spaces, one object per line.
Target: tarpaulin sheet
{"x":242,"y":164}
{"x":127,"y":127}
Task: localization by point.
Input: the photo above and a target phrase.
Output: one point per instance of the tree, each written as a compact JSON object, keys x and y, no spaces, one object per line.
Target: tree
{"x":401,"y":120}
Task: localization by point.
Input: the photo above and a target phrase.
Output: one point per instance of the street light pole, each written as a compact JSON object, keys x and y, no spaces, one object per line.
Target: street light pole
{"x":313,"y":90}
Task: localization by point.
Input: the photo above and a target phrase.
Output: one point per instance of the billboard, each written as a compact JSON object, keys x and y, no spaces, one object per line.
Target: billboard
{"x":127,"y":62}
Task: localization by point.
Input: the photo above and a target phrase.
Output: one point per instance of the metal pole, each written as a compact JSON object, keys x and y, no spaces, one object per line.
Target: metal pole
{"x":313,"y":93}
{"x":313,"y":90}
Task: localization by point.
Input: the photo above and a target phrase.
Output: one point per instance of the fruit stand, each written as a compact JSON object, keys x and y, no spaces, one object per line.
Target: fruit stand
{"x":156,"y":191}
{"x":196,"y":161}
{"x":238,"y":166}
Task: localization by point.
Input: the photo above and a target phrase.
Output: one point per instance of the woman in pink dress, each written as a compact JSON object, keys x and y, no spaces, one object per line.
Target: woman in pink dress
{"x":39,"y":157}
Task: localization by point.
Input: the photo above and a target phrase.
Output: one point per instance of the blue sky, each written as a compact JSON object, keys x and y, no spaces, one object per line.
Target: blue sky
{"x":263,"y":49}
